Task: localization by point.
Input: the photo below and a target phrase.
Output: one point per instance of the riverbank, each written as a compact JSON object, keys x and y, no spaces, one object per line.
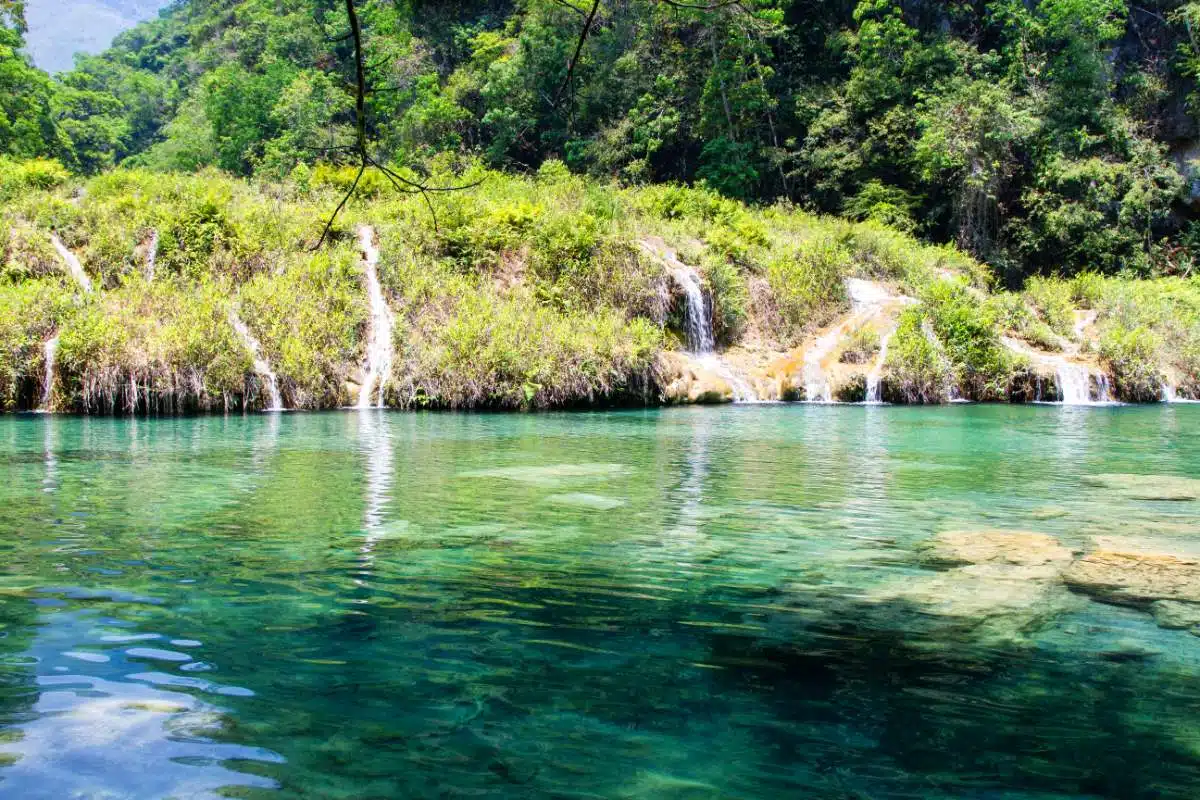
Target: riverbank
{"x":139,"y":291}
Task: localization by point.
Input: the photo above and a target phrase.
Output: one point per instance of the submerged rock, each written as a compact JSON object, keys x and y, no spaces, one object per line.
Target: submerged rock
{"x":1000,"y":547}
{"x":1148,"y":487}
{"x":1135,"y":573}
{"x":999,"y":585}
{"x":1176,"y":615}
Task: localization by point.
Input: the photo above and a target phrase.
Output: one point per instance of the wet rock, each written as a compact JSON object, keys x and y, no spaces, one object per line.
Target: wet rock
{"x":1148,"y":487}
{"x":852,"y":390}
{"x":997,"y":547}
{"x":686,"y":381}
{"x":1176,"y":615}
{"x":1135,"y":573}
{"x":993,"y":604}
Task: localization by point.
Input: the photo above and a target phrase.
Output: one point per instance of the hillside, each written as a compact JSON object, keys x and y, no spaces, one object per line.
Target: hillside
{"x":143,"y":291}
{"x":1043,"y":138}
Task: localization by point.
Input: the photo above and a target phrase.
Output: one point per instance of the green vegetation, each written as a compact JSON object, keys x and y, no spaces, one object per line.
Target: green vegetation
{"x":1020,"y":169}
{"x":1046,"y":137}
{"x":522,"y":293}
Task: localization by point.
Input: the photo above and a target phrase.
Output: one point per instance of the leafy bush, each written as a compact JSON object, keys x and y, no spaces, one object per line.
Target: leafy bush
{"x":860,"y":346}
{"x":730,"y":300}
{"x":967,"y":329}
{"x":807,"y":282}
{"x":37,"y":174}
{"x":915,"y":372}
{"x":1131,"y":356}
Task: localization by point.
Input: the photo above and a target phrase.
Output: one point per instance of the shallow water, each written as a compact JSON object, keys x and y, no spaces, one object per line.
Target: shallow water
{"x":692,"y":603}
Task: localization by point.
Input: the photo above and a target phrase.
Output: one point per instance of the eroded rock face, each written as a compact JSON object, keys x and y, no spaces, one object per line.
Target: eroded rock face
{"x":686,"y":381}
{"x":1126,"y":572}
{"x":996,"y":547}
{"x":1148,"y":487}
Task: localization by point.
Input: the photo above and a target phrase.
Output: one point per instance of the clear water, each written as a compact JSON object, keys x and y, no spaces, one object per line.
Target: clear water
{"x":662,"y":604}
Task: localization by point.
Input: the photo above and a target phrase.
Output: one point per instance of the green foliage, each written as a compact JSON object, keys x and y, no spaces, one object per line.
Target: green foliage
{"x":1131,"y":356}
{"x":967,"y":329}
{"x":1054,"y":303}
{"x":730,"y":299}
{"x":915,"y":371}
{"x":17,"y":177}
{"x":860,"y":346}
{"x":807,"y":282}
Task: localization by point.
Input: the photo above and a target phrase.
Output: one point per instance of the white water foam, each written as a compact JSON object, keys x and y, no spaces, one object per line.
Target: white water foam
{"x":379,"y":340}
{"x":261,"y":367}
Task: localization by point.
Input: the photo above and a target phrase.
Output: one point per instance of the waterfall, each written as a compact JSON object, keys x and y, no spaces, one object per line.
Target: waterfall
{"x":700,"y":340}
{"x":50,"y":349}
{"x":261,"y":367}
{"x":699,"y":329}
{"x":1074,"y":384}
{"x":874,"y":378}
{"x":379,"y":340}
{"x":69,"y":258}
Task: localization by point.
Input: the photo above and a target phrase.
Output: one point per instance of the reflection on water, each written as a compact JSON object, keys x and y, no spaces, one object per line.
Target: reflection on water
{"x":696,"y":603}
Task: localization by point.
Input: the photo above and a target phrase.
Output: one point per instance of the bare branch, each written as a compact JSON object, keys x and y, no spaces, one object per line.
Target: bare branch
{"x":338,"y":210}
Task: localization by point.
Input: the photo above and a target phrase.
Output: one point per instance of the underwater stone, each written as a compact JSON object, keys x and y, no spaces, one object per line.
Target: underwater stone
{"x":1148,"y":487}
{"x":1016,"y":548}
{"x":1176,"y":615}
{"x":1126,"y":572}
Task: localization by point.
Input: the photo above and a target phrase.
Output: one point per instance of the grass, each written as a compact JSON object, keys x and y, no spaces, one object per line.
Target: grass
{"x":528,"y":292}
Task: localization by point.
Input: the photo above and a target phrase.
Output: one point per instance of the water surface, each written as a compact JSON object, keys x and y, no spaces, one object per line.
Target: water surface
{"x":691,"y":603}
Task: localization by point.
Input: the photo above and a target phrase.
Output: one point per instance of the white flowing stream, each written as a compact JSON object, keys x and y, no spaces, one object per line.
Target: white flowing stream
{"x":261,"y":367}
{"x":379,"y":340}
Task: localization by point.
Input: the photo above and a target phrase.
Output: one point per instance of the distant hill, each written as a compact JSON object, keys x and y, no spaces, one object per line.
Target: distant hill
{"x":60,"y":28}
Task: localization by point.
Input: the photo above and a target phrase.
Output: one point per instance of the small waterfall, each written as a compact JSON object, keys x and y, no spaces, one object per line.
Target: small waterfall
{"x":379,"y":340}
{"x":72,"y":262}
{"x":700,"y":339}
{"x":1074,"y":384}
{"x":261,"y":367}
{"x":699,"y":329}
{"x":1169,"y":393}
{"x":49,"y":350}
{"x":875,"y":377}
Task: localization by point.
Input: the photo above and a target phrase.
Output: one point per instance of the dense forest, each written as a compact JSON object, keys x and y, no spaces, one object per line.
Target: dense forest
{"x":1042,"y":137}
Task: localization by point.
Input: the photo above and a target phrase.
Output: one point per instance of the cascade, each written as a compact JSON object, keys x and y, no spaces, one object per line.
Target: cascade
{"x":50,"y":349}
{"x":698,"y":329}
{"x":72,"y":262}
{"x":874,"y":378}
{"x":1074,"y":384}
{"x":379,"y":340}
{"x":260,"y":364}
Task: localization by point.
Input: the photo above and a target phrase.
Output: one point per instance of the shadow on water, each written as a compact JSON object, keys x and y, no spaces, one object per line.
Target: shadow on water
{"x":627,"y":605}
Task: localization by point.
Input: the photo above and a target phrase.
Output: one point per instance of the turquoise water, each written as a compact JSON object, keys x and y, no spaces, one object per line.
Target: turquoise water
{"x":692,"y":603}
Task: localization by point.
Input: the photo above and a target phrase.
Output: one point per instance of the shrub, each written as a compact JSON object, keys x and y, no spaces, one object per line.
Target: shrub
{"x":730,"y":300}
{"x":1131,"y":356}
{"x":860,"y":346}
{"x":915,"y":371}
{"x":38,"y":174}
{"x":807,"y":282}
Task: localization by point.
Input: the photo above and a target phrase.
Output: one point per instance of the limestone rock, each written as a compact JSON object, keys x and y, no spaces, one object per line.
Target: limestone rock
{"x":1128,"y":572}
{"x":1148,"y":487}
{"x":998,"y":547}
{"x":686,"y":381}
{"x":1176,"y":615}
